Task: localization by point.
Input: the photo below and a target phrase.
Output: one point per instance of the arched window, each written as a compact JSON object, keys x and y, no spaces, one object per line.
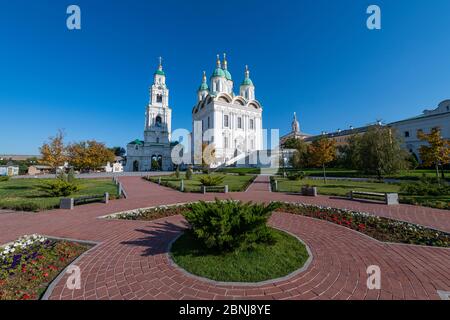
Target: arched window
{"x":158,"y":121}
{"x":159,"y":98}
{"x":157,"y":140}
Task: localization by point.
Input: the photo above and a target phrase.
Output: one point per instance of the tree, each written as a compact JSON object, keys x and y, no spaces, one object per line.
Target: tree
{"x":118,"y":151}
{"x":321,"y":152}
{"x":299,"y":159}
{"x":89,"y":155}
{"x":54,"y":152}
{"x":437,"y":153}
{"x":292,"y":143}
{"x":378,"y":151}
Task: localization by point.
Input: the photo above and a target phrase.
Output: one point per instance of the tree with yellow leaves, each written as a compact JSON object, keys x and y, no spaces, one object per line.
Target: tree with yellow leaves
{"x":89,"y":155}
{"x":321,"y":152}
{"x":54,"y":152}
{"x":437,"y":152}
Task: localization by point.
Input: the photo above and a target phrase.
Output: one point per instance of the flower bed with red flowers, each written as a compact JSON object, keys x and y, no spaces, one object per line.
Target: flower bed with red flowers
{"x":29,"y":265}
{"x":380,"y":228}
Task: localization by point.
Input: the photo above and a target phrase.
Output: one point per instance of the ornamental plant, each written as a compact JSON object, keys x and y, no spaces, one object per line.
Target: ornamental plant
{"x":189,"y":173}
{"x":211,"y":180}
{"x":296,"y":176}
{"x":230,"y":225}
{"x":59,"y":188}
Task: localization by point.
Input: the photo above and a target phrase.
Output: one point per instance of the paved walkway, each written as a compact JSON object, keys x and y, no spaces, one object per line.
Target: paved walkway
{"x":131,"y":260}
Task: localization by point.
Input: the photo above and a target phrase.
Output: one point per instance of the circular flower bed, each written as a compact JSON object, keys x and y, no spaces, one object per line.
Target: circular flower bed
{"x":29,"y":264}
{"x":380,"y":228}
{"x":264,"y":262}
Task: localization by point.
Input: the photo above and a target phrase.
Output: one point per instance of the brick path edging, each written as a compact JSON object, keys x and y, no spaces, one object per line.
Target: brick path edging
{"x":243,"y":284}
{"x":48,"y":292}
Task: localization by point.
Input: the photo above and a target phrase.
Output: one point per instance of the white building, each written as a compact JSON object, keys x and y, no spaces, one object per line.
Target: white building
{"x":429,"y":119}
{"x":153,"y":153}
{"x":9,"y":170}
{"x":231,"y":122}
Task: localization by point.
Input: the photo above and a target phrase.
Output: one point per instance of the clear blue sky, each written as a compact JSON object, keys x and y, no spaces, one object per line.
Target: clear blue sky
{"x":314,"y":57}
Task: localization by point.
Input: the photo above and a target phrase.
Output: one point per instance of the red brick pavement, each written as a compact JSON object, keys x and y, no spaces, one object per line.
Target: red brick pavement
{"x":131,"y":260}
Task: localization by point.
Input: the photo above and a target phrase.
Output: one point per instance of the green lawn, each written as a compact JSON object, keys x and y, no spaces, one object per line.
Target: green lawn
{"x":240,"y":170}
{"x":24,"y":194}
{"x":343,"y":187}
{"x":265,"y":262}
{"x":335,"y":187}
{"x":235,"y":182}
{"x":346,"y":173}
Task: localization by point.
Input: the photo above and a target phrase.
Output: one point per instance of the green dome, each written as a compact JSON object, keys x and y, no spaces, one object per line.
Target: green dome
{"x":218,"y":73}
{"x":227,"y":75}
{"x":160,"y":72}
{"x":203,"y":87}
{"x":247,"y":82}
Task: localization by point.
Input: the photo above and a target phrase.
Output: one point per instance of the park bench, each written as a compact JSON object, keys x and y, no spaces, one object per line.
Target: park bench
{"x":385,"y":197}
{"x":205,"y":189}
{"x":69,"y":203}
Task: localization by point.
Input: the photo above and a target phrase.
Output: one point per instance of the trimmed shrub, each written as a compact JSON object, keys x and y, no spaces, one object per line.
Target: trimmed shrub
{"x":230,"y":225}
{"x":4,"y":178}
{"x":425,"y":187}
{"x":71,"y":176}
{"x":59,"y":188}
{"x":189,"y":173}
{"x":211,"y":181}
{"x":296,"y":175}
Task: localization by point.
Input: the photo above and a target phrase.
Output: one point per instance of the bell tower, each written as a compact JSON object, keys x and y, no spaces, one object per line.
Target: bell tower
{"x":158,"y":116}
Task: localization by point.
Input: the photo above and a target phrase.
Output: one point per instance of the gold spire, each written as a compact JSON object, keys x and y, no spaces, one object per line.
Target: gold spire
{"x":160,"y":67}
{"x":218,"y":62}
{"x":225,"y":62}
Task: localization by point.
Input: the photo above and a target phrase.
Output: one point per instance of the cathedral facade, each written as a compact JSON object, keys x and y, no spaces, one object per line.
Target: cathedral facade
{"x":231,"y":122}
{"x":154,"y":152}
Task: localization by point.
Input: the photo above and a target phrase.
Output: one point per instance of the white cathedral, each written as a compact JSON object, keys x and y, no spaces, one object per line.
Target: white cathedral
{"x":232,"y":123}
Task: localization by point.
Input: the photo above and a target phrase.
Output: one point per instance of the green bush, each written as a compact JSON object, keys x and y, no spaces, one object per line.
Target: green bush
{"x":4,"y":178}
{"x":59,"y":188}
{"x":71,"y":175}
{"x":231,"y":225}
{"x":177,"y":172}
{"x":296,"y":175}
{"x":242,"y":174}
{"x":189,"y":173}
{"x":425,"y":187}
{"x":211,"y":181}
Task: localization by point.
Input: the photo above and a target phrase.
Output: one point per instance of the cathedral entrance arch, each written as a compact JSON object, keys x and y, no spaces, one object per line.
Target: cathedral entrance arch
{"x":135,"y":166}
{"x":159,"y":162}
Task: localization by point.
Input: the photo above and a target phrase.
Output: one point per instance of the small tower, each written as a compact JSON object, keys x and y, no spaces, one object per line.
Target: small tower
{"x":203,"y":90}
{"x":218,"y":80}
{"x":159,"y":93}
{"x":295,"y":124}
{"x":229,"y":80}
{"x":247,"y":89}
{"x":158,"y":114}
